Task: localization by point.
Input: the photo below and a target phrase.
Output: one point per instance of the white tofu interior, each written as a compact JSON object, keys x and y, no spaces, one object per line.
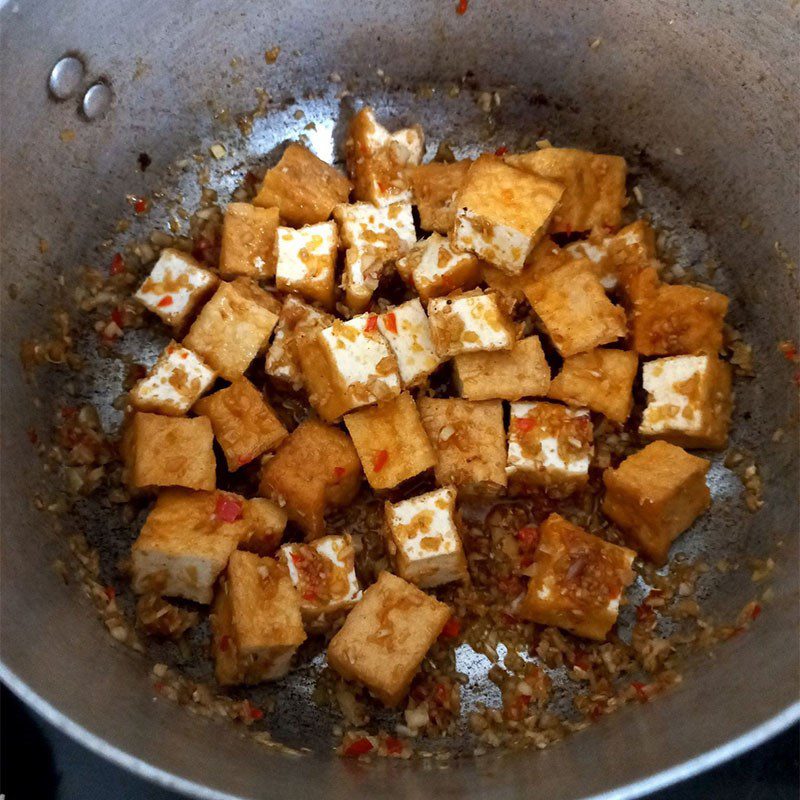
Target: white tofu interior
{"x":409,"y":336}
{"x":671,"y":384}
{"x":481,"y":327}
{"x":296,"y":246}
{"x":502,"y":246}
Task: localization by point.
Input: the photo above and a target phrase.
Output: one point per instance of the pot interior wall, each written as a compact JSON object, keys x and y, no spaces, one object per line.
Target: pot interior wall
{"x":698,"y":98}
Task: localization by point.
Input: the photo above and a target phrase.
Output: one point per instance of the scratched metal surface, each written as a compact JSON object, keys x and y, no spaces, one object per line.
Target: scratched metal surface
{"x":616,"y":97}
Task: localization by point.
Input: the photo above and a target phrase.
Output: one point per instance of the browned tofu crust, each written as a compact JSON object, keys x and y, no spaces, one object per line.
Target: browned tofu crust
{"x":248,"y":241}
{"x":302,"y":187}
{"x":434,"y":187}
{"x":655,"y":495}
{"x":386,"y":636}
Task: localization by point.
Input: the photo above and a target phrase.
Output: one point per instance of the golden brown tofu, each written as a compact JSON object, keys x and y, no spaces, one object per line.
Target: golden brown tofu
{"x":502,"y":212}
{"x":434,"y":188}
{"x":689,"y":401}
{"x":233,"y":327}
{"x":386,"y":636}
{"x":631,"y":249}
{"x":469,"y":440}
{"x":296,"y":319}
{"x":243,"y":421}
{"x":248,"y":241}
{"x":574,"y":309}
{"x":319,"y":378}
{"x":378,"y":162}
{"x":678,"y":320}
{"x":185,"y":543}
{"x":655,"y":495}
{"x":324,"y":575}
{"x":594,"y":194}
{"x":255,"y":622}
{"x":576,"y":580}
{"x":549,"y":446}
{"x":265,"y":523}
{"x":314,"y":470}
{"x":503,"y":374}
{"x":302,"y":187}
{"x":601,"y":379}
{"x":390,"y":441}
{"x":169,"y":451}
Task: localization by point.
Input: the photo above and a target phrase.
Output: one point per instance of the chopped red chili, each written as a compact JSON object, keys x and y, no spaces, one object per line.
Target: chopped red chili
{"x":391,"y":322}
{"x":252,"y":711}
{"x":524,"y":424}
{"x":310,"y":597}
{"x":641,"y":694}
{"x":245,"y":459}
{"x":394,"y":746}
{"x":140,"y":205}
{"x":379,"y":460}
{"x":461,"y":8}
{"x":441,"y":694}
{"x":756,"y":611}
{"x":116,"y":317}
{"x":117,"y":265}
{"x":338,"y":473}
{"x":165,"y":301}
{"x":501,"y":151}
{"x":110,"y":592}
{"x":228,"y":509}
{"x":372,"y":323}
{"x":358,"y":748}
{"x":451,"y":628}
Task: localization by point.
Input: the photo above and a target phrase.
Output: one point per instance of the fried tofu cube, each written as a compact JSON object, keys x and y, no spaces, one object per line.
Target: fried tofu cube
{"x":374,"y":238}
{"x":256,"y":623}
{"x":351,"y":366}
{"x":185,"y":543}
{"x":296,"y":319}
{"x":306,"y":261}
{"x":324,"y":574}
{"x":678,"y":320}
{"x":390,"y":441}
{"x":265,"y":523}
{"x":248,"y":241}
{"x":316,"y":469}
{"x":434,"y":267}
{"x":469,"y":440}
{"x":423,"y":540}
{"x":574,"y":309}
{"x":512,"y":374}
{"x":233,"y":327}
{"x":468,"y":323}
{"x":408,"y":332}
{"x":594,"y":186}
{"x":386,"y":636}
{"x":688,"y":401}
{"x":169,"y":451}
{"x":434,"y":188}
{"x":502,"y":212}
{"x":302,"y":187}
{"x":173,"y":383}
{"x":576,"y":580}
{"x":378,"y":162}
{"x":176,"y":287}
{"x":601,"y":380}
{"x":549,"y":446}
{"x":243,"y":421}
{"x":655,"y":495}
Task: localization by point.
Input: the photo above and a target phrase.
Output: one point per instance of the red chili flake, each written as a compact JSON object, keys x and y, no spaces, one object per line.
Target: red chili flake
{"x":441,"y":694}
{"x":524,"y":424}
{"x":358,"y":748}
{"x":394,"y":746}
{"x":33,"y":437}
{"x":451,"y":628}
{"x":228,"y":509}
{"x":372,"y":323}
{"x":461,"y":8}
{"x":339,"y":473}
{"x":255,"y":713}
{"x":501,"y":151}
{"x":379,"y":460}
{"x":242,"y":460}
{"x":297,"y":558}
{"x":165,"y":301}
{"x":140,"y":204}
{"x":68,"y":411}
{"x":224,"y":642}
{"x":789,"y":350}
{"x":117,"y":318}
{"x":641,"y":694}
{"x":528,"y":537}
{"x":310,"y":596}
{"x":391,"y":322}
{"x":117,"y":265}
{"x":755,"y":611}
{"x":110,"y":592}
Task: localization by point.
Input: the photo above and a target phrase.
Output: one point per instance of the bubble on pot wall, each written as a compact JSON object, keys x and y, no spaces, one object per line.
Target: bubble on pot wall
{"x":65,"y":77}
{"x":96,"y":101}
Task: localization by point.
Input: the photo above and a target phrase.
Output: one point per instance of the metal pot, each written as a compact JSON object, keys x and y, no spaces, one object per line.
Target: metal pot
{"x":701,"y":97}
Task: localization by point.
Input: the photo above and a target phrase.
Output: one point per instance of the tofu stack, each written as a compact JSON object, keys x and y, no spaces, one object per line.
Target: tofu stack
{"x":442,"y":396}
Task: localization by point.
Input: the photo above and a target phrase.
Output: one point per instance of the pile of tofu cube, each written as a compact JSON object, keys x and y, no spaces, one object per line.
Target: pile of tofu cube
{"x":483,"y":247}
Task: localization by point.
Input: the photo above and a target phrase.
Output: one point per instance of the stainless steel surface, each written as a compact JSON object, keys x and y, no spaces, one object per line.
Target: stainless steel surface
{"x":702,"y":98}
